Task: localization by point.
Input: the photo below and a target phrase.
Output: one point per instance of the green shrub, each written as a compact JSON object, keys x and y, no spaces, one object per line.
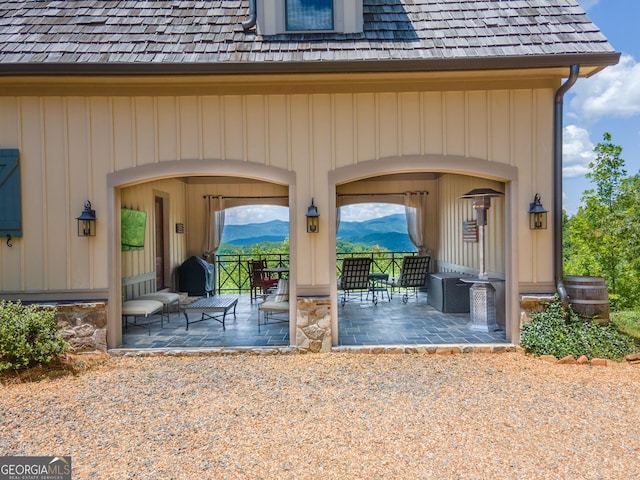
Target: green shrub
{"x":560,"y":332}
{"x":28,"y":335}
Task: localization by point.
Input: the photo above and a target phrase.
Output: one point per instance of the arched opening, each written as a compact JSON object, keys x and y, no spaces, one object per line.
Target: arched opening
{"x":194,"y":204}
{"x":425,"y":319}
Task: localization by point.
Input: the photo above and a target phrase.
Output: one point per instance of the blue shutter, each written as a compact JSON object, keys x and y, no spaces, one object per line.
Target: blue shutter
{"x":10,"y":199}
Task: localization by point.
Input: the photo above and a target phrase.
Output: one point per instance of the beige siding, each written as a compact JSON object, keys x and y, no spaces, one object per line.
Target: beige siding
{"x":35,"y":261}
{"x":69,"y":144}
{"x":500,"y":126}
{"x":433,"y":114}
{"x":410,"y":124}
{"x":142,"y":197}
{"x":455,"y":254}
{"x":168,"y":129}
{"x":10,"y":258}
{"x":190,"y":131}
{"x":344,"y":130}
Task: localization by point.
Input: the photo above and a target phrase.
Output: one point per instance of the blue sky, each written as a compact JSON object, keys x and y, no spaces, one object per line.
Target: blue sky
{"x":607,"y":102}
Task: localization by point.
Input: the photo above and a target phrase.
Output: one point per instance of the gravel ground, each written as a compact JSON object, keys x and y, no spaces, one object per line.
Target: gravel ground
{"x":339,"y":415}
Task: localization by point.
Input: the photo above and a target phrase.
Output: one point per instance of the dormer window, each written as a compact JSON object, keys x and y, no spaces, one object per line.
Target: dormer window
{"x":309,"y":15}
{"x":300,"y":16}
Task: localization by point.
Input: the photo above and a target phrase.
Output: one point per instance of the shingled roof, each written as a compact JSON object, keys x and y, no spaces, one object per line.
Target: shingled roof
{"x":103,"y":36}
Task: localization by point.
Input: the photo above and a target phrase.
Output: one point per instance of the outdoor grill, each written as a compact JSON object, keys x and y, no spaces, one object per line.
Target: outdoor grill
{"x":196,"y":277}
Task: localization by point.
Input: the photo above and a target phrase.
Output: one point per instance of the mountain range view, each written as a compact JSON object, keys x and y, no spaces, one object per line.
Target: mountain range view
{"x":389,"y":232}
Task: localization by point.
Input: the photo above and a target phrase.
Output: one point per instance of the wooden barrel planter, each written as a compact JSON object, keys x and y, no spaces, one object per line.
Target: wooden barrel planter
{"x":588,"y":297}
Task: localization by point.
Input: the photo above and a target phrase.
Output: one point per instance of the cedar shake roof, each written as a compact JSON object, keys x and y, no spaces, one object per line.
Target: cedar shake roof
{"x":186,"y":36}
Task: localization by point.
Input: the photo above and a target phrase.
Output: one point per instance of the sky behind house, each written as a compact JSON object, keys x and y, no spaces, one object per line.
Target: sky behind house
{"x":607,"y":102}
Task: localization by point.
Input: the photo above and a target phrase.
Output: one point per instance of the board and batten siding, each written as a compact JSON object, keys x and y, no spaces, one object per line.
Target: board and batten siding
{"x":142,"y":197}
{"x":69,"y":144}
{"x":455,"y":254}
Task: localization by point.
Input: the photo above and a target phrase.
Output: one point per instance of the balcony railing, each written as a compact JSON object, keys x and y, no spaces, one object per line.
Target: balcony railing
{"x":232,"y":271}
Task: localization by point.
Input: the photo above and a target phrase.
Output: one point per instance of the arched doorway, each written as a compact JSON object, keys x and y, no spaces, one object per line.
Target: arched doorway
{"x":446,"y":178}
{"x":185,"y":184}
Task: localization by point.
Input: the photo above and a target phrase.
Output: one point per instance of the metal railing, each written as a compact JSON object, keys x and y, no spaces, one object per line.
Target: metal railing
{"x":232,"y":271}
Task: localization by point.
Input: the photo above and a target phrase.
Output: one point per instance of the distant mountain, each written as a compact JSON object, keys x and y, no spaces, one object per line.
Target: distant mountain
{"x":388,"y":232}
{"x":273,"y":231}
{"x":390,"y":223}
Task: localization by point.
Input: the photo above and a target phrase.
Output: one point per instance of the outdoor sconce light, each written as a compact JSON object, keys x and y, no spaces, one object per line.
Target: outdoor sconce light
{"x":87,"y":221}
{"x":537,"y":214}
{"x":313,"y":219}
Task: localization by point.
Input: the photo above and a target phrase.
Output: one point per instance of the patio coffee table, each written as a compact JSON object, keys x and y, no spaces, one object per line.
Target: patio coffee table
{"x":209,"y":307}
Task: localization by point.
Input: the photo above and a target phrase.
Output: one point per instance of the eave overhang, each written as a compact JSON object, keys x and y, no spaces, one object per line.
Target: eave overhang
{"x":590,"y":63}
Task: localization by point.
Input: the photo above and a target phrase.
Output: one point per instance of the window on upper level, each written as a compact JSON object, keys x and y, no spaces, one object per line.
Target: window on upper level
{"x":306,"y":15}
{"x":299,"y":16}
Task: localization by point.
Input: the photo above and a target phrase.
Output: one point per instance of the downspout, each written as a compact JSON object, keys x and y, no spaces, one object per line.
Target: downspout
{"x":253,"y":16}
{"x":557,"y":185}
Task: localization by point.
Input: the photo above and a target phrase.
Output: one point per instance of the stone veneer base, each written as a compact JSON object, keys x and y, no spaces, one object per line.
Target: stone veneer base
{"x":371,"y":349}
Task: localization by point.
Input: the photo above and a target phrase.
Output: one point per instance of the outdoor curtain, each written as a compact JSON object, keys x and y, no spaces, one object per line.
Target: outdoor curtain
{"x":415,"y":205}
{"x":213,"y":227}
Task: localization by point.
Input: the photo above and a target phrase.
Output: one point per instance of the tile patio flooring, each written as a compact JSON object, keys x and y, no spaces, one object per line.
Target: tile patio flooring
{"x":360,"y":323}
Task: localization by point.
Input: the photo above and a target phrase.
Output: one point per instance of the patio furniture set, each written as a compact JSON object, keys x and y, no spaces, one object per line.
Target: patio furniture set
{"x":210,"y":308}
{"x":357,"y":277}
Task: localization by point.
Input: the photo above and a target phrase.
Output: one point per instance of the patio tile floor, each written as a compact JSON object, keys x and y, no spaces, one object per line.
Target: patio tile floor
{"x":360,"y":323}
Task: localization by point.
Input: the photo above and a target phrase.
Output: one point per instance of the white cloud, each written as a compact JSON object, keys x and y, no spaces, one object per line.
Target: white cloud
{"x":587,"y":4}
{"x":266,"y":213}
{"x":577,"y":151}
{"x":368,"y":211}
{"x":255,"y":214}
{"x":615,"y":91}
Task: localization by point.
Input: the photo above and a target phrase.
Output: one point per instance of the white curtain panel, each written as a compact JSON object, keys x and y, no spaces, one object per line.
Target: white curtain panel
{"x":214,"y":226}
{"x":415,"y":204}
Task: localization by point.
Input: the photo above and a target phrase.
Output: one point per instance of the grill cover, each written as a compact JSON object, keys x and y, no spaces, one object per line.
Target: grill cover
{"x":196,"y":277}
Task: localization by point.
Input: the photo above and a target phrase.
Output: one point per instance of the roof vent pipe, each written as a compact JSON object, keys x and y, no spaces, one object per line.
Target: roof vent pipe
{"x":253,"y":16}
{"x":557,"y":186}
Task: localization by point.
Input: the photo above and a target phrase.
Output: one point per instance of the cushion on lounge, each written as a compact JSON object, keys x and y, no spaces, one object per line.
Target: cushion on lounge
{"x":167,"y":298}
{"x":141,"y":307}
{"x":272,"y":306}
{"x":282,"y":292}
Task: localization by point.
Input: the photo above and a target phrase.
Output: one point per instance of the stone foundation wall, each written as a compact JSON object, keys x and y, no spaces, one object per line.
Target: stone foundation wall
{"x":313,"y":328}
{"x":84,"y":325}
{"x":532,"y":303}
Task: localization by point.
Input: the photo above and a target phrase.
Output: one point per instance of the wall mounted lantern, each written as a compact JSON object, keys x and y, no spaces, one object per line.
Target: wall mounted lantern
{"x":87,"y":221}
{"x":313,"y":219}
{"x":537,"y":214}
{"x":481,"y":202}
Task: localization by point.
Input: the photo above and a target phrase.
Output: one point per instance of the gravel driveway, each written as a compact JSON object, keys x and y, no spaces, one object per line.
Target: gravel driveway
{"x":338,"y":415}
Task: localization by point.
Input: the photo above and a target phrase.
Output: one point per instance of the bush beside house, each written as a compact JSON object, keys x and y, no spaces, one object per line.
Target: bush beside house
{"x":29,"y":335}
{"x":560,"y":332}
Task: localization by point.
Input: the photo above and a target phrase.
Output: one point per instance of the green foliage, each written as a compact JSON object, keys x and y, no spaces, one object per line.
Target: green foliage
{"x":256,"y":249}
{"x":232,"y":270}
{"x":603,"y":238}
{"x":628,"y":322}
{"x":560,"y":332}
{"x":28,"y":335}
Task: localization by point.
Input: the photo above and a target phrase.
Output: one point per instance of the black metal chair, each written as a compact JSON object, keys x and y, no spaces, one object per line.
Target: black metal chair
{"x":354,"y":277}
{"x":413,"y":275}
